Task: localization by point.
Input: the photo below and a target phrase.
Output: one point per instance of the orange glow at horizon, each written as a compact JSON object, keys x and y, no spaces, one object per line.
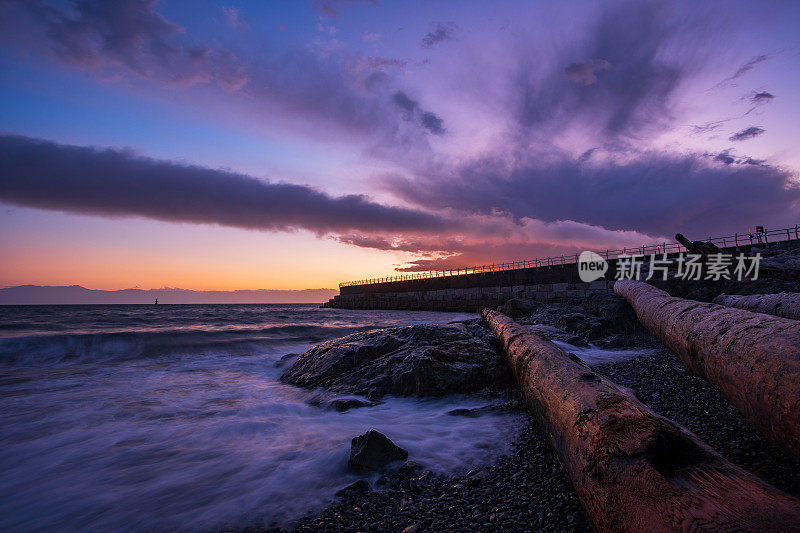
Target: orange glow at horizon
{"x":102,"y":253}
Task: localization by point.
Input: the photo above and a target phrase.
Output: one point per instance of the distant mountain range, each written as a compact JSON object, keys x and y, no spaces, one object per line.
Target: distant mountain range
{"x":75,"y":294}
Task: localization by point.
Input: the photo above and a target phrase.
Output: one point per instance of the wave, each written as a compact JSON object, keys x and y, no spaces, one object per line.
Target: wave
{"x":126,"y":345}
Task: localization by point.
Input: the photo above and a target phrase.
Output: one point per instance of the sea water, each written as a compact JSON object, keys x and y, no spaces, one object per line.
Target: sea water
{"x":167,"y":417}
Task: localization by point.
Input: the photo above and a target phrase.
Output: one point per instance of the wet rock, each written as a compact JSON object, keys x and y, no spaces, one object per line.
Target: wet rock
{"x":358,"y":488}
{"x":373,"y":450}
{"x":475,"y":412}
{"x":422,"y":360}
{"x":409,"y":468}
{"x":286,"y":360}
{"x":345,"y":404}
{"x":516,"y":308}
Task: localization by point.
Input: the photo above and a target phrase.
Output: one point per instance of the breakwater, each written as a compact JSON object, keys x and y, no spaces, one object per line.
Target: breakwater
{"x":540,"y":280}
{"x":465,"y":298}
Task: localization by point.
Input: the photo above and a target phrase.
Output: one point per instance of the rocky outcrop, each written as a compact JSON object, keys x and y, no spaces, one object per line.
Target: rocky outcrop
{"x":752,"y":358}
{"x":421,"y":360}
{"x":599,"y":318}
{"x":785,"y":304}
{"x":373,"y":450}
{"x":633,"y":469}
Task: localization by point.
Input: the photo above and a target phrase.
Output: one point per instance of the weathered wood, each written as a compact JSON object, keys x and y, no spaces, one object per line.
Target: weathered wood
{"x":785,"y":304}
{"x":752,"y":358}
{"x":633,"y":469}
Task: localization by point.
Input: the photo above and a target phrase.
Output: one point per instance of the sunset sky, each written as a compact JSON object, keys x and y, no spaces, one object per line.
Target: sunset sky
{"x":291,"y":145}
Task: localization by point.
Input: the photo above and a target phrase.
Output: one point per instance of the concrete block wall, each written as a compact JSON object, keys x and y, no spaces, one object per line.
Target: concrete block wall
{"x":470,"y":299}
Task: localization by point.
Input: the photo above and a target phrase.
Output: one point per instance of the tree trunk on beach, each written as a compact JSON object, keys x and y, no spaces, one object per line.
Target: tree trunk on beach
{"x":633,"y":469}
{"x":753,"y":359}
{"x":785,"y":304}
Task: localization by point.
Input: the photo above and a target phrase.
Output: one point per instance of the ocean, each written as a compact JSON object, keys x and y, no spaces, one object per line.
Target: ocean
{"x":144,"y":417}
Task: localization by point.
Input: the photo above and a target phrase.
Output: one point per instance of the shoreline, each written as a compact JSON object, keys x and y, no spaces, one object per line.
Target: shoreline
{"x":528,"y":489}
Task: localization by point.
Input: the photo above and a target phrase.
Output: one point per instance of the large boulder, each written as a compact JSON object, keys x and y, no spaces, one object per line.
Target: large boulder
{"x":422,"y":360}
{"x":373,"y":450}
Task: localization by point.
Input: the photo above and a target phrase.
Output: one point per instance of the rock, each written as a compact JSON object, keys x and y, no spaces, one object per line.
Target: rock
{"x":574,"y":340}
{"x":411,"y":529}
{"x":422,"y":360}
{"x":518,"y":308}
{"x":478,"y":474}
{"x":373,"y":450}
{"x":344,"y":404}
{"x":285,"y":360}
{"x":358,"y":488}
{"x":475,"y":412}
{"x":419,"y":483}
{"x":409,"y":468}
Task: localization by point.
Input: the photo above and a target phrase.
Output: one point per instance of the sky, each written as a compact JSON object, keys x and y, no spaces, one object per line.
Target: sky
{"x":290,"y":145}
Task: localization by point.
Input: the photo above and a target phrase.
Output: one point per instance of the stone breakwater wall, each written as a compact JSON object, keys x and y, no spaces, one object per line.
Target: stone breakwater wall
{"x":473,"y":291}
{"x":467,"y":299}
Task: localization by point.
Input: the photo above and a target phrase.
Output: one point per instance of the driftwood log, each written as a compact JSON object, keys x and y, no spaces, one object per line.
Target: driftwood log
{"x":752,"y":358}
{"x":785,"y":304}
{"x":633,"y":469}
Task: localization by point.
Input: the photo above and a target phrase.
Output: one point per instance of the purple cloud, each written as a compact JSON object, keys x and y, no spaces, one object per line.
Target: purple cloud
{"x":46,"y":175}
{"x":334,"y":8}
{"x":443,"y":32}
{"x":113,"y":39}
{"x":96,"y":35}
{"x":586,"y":72}
{"x":635,"y":96}
{"x":747,"y":133}
{"x":656,"y":193}
{"x":412,"y":112}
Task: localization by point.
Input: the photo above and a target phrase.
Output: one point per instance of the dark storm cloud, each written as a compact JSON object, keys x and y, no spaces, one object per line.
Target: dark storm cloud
{"x":96,"y":34}
{"x":46,"y":175}
{"x":442,"y":32}
{"x":412,"y":112}
{"x":631,"y":44}
{"x":747,"y":133}
{"x":657,"y":193}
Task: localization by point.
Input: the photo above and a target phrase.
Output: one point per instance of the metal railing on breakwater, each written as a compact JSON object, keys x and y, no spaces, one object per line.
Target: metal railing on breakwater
{"x":737,"y":239}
